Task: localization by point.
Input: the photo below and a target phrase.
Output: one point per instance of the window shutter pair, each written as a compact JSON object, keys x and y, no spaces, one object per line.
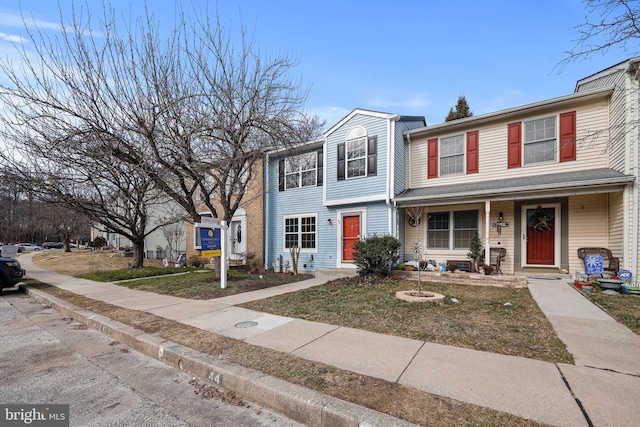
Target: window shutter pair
{"x":319,"y":171}
{"x":472,"y":154}
{"x":372,"y":158}
{"x":566,"y":136}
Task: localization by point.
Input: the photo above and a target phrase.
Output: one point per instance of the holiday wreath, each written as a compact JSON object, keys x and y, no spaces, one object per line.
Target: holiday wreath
{"x":541,"y":219}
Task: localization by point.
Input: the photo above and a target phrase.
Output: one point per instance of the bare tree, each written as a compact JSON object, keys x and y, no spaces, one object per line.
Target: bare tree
{"x":186,"y":115}
{"x":607,"y":23}
{"x":174,"y":235}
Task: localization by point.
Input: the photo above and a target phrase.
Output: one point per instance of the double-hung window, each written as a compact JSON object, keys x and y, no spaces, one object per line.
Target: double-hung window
{"x":540,"y":140}
{"x":451,"y":230}
{"x":301,"y":231}
{"x":452,"y":155}
{"x":356,"y":157}
{"x":301,"y":170}
{"x":438,"y":230}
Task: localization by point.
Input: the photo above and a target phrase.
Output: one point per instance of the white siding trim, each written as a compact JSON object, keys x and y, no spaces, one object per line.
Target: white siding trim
{"x":365,"y":199}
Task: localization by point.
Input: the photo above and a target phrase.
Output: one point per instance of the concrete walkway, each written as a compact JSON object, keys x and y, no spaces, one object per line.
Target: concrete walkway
{"x":601,"y":389}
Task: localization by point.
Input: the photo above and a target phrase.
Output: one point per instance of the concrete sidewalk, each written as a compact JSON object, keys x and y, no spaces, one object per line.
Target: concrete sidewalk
{"x":602,"y":389}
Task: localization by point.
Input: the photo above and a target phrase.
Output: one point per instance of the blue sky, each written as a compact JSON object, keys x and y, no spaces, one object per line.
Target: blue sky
{"x":406,"y":57}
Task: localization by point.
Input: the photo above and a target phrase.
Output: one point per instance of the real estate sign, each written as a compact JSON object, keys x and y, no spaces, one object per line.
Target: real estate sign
{"x":210,"y":242}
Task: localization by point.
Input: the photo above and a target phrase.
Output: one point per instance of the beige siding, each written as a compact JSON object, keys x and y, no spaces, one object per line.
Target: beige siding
{"x":591,"y":122}
{"x":418,"y":164}
{"x":588,"y":226}
{"x":505,"y":239}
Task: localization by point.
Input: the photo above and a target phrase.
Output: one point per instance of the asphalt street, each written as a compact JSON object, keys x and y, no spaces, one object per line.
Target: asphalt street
{"x":46,"y":358}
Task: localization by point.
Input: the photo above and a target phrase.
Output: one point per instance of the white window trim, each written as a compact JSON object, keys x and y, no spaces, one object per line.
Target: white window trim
{"x":451,"y":230}
{"x":299,"y":217}
{"x":464,"y":154}
{"x":365,"y":140}
{"x":300,"y":171}
{"x":556,"y":118}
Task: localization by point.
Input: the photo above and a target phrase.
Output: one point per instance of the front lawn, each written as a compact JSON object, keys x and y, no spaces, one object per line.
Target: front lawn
{"x":499,"y":320}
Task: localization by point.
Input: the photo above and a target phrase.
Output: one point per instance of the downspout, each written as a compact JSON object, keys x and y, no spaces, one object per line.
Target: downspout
{"x":265,"y":209}
{"x":390,"y":171}
{"x":636,"y":144}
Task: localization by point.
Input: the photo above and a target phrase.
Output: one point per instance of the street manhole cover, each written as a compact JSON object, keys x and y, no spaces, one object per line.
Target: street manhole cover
{"x":248,"y":324}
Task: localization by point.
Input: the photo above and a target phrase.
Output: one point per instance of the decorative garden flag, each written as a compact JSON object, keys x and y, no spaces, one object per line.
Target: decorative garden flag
{"x":594,"y":264}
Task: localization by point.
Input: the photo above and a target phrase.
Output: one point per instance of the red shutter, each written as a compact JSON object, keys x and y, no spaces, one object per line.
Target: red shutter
{"x":472,"y":152}
{"x":568,"y":136}
{"x":514,"y":144}
{"x":432,"y":153}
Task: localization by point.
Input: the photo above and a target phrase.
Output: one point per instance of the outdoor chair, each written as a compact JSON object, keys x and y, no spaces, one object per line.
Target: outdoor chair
{"x":611,"y":263}
{"x":496,"y":256}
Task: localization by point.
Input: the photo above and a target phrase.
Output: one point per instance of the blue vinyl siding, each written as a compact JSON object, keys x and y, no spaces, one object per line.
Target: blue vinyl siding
{"x":366,"y":196}
{"x":305,"y":200}
{"x":362,"y":186}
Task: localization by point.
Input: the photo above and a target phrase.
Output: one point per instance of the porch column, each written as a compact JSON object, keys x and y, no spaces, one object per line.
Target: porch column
{"x":487,"y":227}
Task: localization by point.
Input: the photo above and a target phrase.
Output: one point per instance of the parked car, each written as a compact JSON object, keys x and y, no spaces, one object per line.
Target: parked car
{"x":11,"y":272}
{"x":52,"y":245}
{"x":28,"y":247}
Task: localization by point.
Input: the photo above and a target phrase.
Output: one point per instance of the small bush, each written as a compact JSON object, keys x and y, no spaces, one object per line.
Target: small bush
{"x":400,"y":266}
{"x":488,"y":269}
{"x":196,"y":261}
{"x":98,"y":242}
{"x":452,"y":266}
{"x":376,"y":255}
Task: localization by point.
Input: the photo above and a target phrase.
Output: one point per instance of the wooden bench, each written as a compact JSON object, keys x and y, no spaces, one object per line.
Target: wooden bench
{"x":611,"y":263}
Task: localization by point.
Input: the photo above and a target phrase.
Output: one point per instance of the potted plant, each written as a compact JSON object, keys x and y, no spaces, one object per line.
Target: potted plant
{"x":452,"y":266}
{"x":488,"y":269}
{"x":475,"y":249}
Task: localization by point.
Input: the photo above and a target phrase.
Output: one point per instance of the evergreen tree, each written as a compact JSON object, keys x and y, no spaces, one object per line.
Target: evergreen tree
{"x":461,"y":110}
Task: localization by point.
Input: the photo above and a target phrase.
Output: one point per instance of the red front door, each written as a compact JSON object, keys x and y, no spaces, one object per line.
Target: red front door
{"x":350,"y":235}
{"x":541,"y":236}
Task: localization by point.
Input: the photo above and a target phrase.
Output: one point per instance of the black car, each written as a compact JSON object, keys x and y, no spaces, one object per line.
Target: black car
{"x":10,"y":272}
{"x":52,"y":245}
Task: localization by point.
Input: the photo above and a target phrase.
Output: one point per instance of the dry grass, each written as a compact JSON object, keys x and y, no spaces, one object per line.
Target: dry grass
{"x":499,"y":320}
{"x":83,"y":261}
{"x":403,"y":402}
{"x":394,"y":399}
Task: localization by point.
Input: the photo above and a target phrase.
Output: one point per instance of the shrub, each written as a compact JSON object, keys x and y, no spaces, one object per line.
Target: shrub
{"x":376,"y":255}
{"x":452,"y":266}
{"x":196,"y":261}
{"x":98,"y":242}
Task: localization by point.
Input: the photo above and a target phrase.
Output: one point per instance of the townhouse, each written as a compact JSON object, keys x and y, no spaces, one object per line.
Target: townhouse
{"x":540,"y":180}
{"x":325,"y":195}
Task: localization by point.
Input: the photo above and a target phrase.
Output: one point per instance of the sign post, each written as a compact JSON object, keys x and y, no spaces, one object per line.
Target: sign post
{"x":213,"y":241}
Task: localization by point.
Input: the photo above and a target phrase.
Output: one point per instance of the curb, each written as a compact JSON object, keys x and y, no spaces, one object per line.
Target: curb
{"x":295,"y":402}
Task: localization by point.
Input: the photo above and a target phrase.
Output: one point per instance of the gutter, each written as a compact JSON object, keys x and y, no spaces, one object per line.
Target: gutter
{"x":636,"y":173}
{"x":391,"y":157}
